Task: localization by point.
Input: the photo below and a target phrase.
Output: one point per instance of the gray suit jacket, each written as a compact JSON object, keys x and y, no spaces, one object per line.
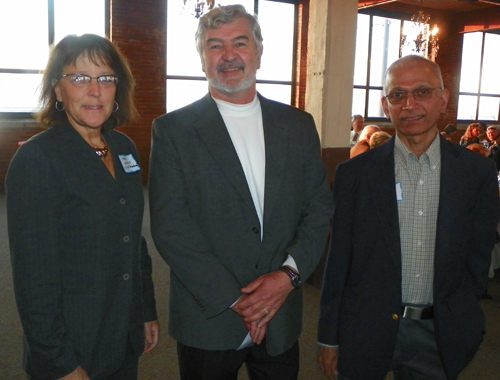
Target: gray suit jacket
{"x":361,"y":296}
{"x":205,"y":226}
{"x":82,"y":278}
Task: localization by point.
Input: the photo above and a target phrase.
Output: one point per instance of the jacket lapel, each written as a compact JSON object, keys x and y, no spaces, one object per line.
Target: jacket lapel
{"x":450,"y":190}
{"x":276,"y":142}
{"x":212,"y":130}
{"x":381,"y":179}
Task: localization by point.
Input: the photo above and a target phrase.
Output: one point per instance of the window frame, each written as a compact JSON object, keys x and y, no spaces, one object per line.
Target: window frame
{"x":478,"y":94}
{"x":367,"y":88}
{"x":50,"y":39}
{"x":293,"y":83}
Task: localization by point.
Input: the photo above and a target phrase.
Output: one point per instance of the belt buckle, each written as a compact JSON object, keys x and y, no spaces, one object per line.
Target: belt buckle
{"x":413,"y":312}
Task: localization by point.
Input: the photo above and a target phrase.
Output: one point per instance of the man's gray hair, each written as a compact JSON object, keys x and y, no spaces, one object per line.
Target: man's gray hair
{"x":225,"y":15}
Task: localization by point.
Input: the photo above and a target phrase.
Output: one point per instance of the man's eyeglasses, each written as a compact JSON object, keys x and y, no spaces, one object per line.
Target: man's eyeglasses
{"x":419,"y":94}
{"x":81,"y":80}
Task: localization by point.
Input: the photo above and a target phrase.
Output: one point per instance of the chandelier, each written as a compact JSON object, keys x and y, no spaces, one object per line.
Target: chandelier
{"x":197,"y":7}
{"x":419,"y":38}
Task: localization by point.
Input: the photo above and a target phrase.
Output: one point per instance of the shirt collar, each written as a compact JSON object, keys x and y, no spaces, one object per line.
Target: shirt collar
{"x":403,"y":154}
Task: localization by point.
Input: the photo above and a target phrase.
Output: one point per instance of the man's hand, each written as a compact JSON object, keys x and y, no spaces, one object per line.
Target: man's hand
{"x":77,"y":374}
{"x":151,"y":335}
{"x":327,"y":359}
{"x":257,"y":333}
{"x":263,"y":298}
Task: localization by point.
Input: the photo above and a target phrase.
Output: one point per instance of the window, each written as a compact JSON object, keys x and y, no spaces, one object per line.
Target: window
{"x":378,"y":42}
{"x":377,"y":46}
{"x":186,"y":81}
{"x":25,"y":42}
{"x":479,"y":99}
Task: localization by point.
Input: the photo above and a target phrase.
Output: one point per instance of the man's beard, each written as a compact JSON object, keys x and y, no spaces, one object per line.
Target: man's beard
{"x":227,"y":88}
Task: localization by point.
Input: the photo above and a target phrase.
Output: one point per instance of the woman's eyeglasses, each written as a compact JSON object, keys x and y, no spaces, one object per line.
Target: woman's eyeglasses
{"x":81,"y":80}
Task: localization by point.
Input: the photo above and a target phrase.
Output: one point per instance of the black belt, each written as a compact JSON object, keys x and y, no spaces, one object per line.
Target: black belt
{"x":414,"y":312}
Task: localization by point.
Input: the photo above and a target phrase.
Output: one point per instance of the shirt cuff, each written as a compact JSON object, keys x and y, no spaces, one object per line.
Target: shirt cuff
{"x":291,"y":263}
{"x":328,"y":345}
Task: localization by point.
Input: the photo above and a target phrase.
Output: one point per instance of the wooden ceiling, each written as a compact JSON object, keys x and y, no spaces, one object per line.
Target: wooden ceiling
{"x":442,"y":5}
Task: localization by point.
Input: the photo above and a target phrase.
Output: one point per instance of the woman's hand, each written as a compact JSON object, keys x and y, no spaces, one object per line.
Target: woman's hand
{"x":77,"y":374}
{"x":152,"y":335}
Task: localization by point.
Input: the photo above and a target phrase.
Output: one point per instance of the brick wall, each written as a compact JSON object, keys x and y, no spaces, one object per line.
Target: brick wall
{"x":303,"y":28}
{"x":138,"y":28}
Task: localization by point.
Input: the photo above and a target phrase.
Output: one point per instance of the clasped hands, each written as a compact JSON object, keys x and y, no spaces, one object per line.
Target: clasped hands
{"x":260,"y":302}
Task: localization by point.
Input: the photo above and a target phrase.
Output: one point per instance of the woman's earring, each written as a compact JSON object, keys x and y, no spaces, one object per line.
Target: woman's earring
{"x":60,"y":106}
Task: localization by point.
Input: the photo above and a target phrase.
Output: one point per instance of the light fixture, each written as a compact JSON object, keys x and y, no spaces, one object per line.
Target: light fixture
{"x":419,"y":38}
{"x":197,"y":7}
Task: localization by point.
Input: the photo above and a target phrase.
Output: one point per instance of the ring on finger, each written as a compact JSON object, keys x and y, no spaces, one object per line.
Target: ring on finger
{"x":266,"y":312}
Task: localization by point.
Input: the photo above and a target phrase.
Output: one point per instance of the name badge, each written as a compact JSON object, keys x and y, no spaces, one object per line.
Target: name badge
{"x":399,"y":192}
{"x":129,"y":163}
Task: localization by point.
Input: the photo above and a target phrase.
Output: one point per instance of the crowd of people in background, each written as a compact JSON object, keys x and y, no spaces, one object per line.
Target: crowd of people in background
{"x":478,"y":136}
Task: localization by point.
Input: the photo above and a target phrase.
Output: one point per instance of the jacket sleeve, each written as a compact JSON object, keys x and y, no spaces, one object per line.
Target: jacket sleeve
{"x":312,"y":231}
{"x":338,"y":260}
{"x":484,"y":223}
{"x":32,"y":206}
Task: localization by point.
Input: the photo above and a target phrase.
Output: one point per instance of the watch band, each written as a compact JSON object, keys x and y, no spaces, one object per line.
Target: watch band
{"x":294,"y":276}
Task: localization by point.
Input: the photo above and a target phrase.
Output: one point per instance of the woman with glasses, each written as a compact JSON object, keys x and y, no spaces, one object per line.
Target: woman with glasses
{"x":81,"y":270}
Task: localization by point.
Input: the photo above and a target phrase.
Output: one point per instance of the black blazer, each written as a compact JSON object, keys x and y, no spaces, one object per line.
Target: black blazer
{"x":82,"y":284}
{"x":361,"y":296}
{"x":205,"y":226}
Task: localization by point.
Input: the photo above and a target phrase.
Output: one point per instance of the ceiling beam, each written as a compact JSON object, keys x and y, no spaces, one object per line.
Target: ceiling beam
{"x":373,"y":3}
{"x":494,"y":2}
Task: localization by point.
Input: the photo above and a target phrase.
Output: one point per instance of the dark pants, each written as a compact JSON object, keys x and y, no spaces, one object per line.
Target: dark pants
{"x":198,"y":364}
{"x":416,"y":356}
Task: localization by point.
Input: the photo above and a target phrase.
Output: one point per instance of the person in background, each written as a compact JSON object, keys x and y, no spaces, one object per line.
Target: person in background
{"x":483,"y":139}
{"x":479,"y":148}
{"x":379,"y":138}
{"x":356,"y":128}
{"x":240,"y":211}
{"x":81,"y":270}
{"x":493,"y":136}
{"x":363,"y":144}
{"x":449,"y":132}
{"x":412,"y":235}
{"x":471,"y":135}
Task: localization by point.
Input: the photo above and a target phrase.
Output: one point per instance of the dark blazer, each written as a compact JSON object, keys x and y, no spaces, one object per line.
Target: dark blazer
{"x":82,"y":284}
{"x":361,"y":296}
{"x":205,"y":226}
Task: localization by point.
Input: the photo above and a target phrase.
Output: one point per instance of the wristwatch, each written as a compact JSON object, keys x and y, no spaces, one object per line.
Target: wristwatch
{"x":294,"y":276}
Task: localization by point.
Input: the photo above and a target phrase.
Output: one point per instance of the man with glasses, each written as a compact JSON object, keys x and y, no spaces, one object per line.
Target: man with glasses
{"x":413,"y":230}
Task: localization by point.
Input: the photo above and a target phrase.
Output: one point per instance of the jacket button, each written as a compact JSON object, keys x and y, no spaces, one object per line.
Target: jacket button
{"x":395,"y":317}
{"x":255,"y":230}
{"x":126,"y":276}
{"x":122,"y":201}
{"x":126,"y":239}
